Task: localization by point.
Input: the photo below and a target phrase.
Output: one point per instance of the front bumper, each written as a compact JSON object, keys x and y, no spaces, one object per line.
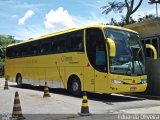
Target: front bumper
{"x":123,"y":88}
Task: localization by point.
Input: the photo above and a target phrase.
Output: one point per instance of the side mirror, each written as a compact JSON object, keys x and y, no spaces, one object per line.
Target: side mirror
{"x":153,"y":49}
{"x":112,"y":47}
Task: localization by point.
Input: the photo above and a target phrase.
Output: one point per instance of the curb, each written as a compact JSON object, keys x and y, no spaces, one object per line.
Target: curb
{"x":143,"y":96}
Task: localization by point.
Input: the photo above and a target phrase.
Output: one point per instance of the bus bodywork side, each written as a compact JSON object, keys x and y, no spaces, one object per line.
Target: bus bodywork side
{"x":61,"y":68}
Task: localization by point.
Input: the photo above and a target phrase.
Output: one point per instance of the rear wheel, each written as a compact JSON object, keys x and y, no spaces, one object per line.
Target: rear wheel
{"x":19,"y":80}
{"x":75,"y":86}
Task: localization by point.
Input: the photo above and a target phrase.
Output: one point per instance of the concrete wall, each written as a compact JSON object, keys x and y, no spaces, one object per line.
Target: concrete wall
{"x":148,"y":28}
{"x":153,"y":68}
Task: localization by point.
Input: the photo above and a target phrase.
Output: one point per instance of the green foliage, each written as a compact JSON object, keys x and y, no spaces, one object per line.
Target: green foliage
{"x":115,"y":6}
{"x":146,"y":17}
{"x":131,"y":21}
{"x":1,"y":69}
{"x":5,"y":40}
{"x":129,"y":5}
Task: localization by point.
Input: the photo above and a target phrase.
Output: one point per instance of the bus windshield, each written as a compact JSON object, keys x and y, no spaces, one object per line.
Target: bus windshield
{"x":129,"y":59}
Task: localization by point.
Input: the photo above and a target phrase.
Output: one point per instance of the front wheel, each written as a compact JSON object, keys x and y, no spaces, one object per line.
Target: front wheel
{"x":75,"y":86}
{"x":19,"y":81}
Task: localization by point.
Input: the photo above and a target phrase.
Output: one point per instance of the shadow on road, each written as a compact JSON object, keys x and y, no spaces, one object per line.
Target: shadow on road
{"x":93,"y":96}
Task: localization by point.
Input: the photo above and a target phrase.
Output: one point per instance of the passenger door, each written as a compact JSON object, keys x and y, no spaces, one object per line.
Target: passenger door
{"x":97,"y":55}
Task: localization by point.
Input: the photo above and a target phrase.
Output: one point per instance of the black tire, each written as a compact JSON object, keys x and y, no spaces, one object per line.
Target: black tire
{"x":19,"y":81}
{"x":75,"y":86}
{"x":106,"y":95}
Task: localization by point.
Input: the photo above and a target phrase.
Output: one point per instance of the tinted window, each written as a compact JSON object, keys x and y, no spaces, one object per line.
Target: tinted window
{"x":45,"y":46}
{"x":96,"y":49}
{"x":25,"y":49}
{"x":33,"y":48}
{"x":58,"y":44}
{"x":16,"y":51}
{"x":75,"y":41}
{"x":9,"y":52}
{"x":70,"y":42}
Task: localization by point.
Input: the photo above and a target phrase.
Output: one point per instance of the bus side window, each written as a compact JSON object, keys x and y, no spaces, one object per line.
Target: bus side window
{"x":19,"y":51}
{"x":75,"y":41}
{"x":59,"y":44}
{"x":33,"y":48}
{"x":53,"y":46}
{"x":45,"y":46}
{"x":68,"y":43}
{"x":9,"y":52}
{"x":25,"y":50}
{"x":16,"y":51}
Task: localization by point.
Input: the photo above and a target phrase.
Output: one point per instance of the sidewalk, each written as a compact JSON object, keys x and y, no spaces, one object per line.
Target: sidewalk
{"x":150,"y":110}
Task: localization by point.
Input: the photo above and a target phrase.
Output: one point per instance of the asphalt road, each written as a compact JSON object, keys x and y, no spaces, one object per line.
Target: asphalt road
{"x":61,"y":105}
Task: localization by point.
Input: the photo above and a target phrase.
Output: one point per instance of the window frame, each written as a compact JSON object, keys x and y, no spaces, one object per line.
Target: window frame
{"x":105,"y":48}
{"x":64,"y":38}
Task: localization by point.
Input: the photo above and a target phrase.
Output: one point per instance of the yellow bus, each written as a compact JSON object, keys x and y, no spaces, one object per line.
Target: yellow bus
{"x":98,"y":58}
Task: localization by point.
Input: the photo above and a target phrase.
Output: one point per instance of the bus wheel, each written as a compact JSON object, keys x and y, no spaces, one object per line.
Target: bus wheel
{"x":75,"y":86}
{"x":19,"y":80}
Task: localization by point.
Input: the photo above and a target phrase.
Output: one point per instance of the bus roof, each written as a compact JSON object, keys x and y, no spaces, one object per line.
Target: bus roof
{"x":71,"y":30}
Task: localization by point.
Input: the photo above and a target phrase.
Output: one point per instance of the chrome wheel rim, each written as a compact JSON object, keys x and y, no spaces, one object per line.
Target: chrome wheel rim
{"x":19,"y":81}
{"x":75,"y":86}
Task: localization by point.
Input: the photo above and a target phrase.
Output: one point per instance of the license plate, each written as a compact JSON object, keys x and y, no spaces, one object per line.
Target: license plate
{"x":133,"y":88}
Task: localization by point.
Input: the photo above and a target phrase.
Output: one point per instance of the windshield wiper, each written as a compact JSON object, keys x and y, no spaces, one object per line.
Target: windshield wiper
{"x":133,"y":59}
{"x":130,"y":67}
{"x":139,"y":60}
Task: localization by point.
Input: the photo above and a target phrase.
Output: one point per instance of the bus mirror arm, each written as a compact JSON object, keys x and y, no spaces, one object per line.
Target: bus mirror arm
{"x":153,"y":49}
{"x":112,"y":47}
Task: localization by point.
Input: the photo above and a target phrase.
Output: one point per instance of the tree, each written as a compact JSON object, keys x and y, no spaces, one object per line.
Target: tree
{"x":146,"y":17}
{"x":121,"y":22}
{"x":119,"y":6}
{"x":5,"y":40}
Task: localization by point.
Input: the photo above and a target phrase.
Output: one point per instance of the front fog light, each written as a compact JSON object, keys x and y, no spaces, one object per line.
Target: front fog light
{"x":144,"y":81}
{"x":117,"y":81}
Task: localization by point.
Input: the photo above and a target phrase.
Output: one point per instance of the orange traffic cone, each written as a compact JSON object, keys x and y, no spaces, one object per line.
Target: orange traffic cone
{"x":17,"y":111}
{"x":6,"y":85}
{"x":85,"y":108}
{"x":46,"y":91}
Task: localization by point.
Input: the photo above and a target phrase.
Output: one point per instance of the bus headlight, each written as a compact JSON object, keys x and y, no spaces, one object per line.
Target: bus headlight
{"x":143,"y":81}
{"x":117,"y":81}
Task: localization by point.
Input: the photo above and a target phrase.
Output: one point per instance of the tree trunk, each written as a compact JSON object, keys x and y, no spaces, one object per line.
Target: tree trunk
{"x":127,"y":18}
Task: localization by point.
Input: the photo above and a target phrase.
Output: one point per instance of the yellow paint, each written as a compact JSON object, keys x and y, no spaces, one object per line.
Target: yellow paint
{"x":112,"y":45}
{"x":46,"y":88}
{"x":153,"y":49}
{"x":84,"y":97}
{"x":17,"y":112}
{"x":17,"y":105}
{"x":85,"y":104}
{"x":16,"y":98}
